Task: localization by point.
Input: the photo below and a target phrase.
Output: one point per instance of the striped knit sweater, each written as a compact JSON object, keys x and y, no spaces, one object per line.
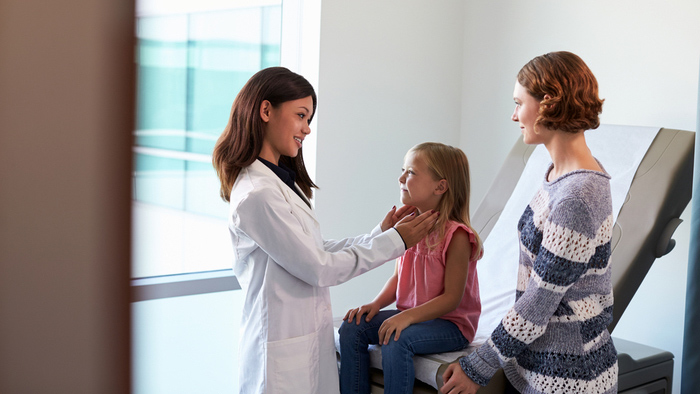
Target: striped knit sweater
{"x":555,"y":339}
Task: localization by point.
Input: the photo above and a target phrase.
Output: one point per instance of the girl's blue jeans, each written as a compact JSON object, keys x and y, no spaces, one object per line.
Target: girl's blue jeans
{"x":433,"y":336}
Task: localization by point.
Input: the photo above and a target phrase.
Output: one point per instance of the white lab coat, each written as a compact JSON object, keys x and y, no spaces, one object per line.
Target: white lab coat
{"x":285,"y":267}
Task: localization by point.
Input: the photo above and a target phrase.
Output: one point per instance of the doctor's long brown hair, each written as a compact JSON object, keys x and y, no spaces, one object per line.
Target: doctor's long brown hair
{"x":241,"y":141}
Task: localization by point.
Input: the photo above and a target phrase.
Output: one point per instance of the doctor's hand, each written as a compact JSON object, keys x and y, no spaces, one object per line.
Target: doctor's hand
{"x":370,"y":310}
{"x":457,"y":382}
{"x":414,"y":228}
{"x":395,"y":215}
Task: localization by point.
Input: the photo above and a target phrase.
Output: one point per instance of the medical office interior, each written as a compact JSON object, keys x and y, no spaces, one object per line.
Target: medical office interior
{"x":115,"y":280}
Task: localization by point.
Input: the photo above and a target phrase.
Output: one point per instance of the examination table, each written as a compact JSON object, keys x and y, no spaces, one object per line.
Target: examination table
{"x":648,"y":208}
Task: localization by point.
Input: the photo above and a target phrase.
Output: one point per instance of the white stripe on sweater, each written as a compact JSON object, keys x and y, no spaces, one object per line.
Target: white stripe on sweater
{"x":549,"y":384}
{"x":586,"y":308}
{"x":520,"y":328}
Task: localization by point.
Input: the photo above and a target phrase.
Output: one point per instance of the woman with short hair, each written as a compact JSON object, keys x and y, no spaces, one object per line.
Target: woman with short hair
{"x":555,"y":339}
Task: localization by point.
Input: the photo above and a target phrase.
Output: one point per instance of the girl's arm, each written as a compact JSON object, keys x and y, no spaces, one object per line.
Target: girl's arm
{"x":385,"y":297}
{"x":459,"y":253}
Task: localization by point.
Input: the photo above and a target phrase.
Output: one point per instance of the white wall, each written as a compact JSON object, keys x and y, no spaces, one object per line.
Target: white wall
{"x":394,"y":73}
{"x":390,"y":77}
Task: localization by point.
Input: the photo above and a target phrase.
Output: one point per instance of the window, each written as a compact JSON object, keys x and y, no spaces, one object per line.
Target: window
{"x":191,"y":64}
{"x":193,"y":57}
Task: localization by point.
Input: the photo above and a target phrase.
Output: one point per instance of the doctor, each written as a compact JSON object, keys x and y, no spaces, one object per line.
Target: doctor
{"x":280,"y":258}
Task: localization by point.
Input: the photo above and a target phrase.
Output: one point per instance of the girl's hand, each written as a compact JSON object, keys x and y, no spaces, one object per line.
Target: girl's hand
{"x":370,"y":309}
{"x":395,"y":215}
{"x":395,"y":325}
{"x":457,"y":382}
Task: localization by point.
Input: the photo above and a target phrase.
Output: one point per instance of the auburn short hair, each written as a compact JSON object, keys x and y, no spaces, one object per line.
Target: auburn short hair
{"x":572,"y":103}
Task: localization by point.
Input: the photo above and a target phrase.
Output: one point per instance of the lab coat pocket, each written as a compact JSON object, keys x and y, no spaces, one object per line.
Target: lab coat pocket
{"x":293,"y":365}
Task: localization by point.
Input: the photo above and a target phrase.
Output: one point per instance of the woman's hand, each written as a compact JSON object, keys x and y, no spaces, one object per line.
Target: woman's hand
{"x":457,"y":382}
{"x":414,"y":228}
{"x":394,"y":324}
{"x":395,"y":215}
{"x":370,"y":309}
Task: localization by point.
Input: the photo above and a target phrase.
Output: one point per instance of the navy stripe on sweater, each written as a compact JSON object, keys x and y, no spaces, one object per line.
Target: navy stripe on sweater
{"x":557,"y":270}
{"x":505,"y":343}
{"x":593,"y":327}
{"x":530,"y":236}
{"x":570,"y":366}
{"x":601,"y":256}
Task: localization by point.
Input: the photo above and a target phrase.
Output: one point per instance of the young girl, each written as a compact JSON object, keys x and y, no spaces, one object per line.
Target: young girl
{"x":434,"y":284}
{"x":282,"y":262}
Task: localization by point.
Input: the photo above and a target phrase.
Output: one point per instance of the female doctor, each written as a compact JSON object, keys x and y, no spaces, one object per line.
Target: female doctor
{"x":280,"y":258}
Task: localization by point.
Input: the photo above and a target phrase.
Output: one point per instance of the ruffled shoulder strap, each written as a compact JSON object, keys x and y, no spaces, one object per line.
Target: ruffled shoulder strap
{"x":450,"y":229}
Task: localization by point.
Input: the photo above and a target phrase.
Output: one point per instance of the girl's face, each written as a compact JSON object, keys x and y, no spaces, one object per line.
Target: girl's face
{"x":418,"y":186}
{"x":286,"y":126}
{"x":527,"y":107}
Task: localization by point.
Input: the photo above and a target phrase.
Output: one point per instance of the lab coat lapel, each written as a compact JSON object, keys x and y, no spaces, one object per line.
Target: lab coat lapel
{"x":289,"y":194}
{"x":304,"y":203}
{"x":293,"y":197}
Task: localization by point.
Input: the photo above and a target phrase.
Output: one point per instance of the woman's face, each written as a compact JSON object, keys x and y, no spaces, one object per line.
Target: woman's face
{"x":286,"y":126}
{"x":527,"y":108}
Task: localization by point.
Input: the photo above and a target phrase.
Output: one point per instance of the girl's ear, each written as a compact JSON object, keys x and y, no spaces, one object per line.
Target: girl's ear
{"x":265,"y":108}
{"x":441,"y":187}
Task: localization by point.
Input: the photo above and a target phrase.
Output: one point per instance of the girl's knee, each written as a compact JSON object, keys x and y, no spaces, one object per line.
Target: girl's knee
{"x":401,"y":345}
{"x":349,"y":331}
{"x":346,"y":330}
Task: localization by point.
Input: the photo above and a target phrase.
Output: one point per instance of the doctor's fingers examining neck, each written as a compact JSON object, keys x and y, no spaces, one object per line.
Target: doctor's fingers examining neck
{"x":414,"y":230}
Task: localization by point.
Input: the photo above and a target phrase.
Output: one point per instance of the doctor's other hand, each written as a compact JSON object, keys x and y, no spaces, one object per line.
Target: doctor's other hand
{"x":370,"y":310}
{"x":395,"y":215}
{"x":414,"y":228}
{"x":457,"y":382}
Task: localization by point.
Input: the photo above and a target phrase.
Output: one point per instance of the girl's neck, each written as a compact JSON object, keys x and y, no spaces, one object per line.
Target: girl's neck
{"x":426,"y":209}
{"x":439,"y":223}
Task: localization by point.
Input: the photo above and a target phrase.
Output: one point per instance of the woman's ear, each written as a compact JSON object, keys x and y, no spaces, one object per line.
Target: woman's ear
{"x":265,"y":108}
{"x":441,"y":187}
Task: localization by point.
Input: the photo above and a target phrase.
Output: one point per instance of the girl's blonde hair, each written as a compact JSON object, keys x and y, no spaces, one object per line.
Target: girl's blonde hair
{"x":451,"y":164}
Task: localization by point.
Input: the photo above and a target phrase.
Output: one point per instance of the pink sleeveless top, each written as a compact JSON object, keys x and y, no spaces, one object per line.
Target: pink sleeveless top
{"x":421,"y":277}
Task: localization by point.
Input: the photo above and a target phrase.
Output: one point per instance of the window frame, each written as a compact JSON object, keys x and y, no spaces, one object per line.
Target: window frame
{"x":168,"y":286}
